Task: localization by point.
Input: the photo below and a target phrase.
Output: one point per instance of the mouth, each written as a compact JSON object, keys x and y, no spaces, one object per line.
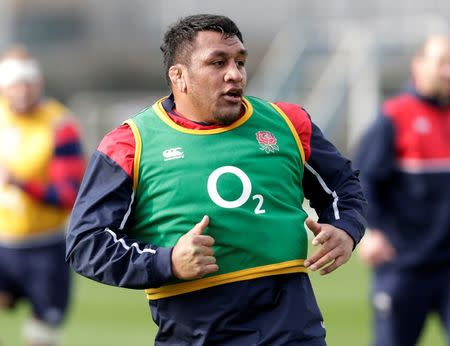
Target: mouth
{"x":233,"y":95}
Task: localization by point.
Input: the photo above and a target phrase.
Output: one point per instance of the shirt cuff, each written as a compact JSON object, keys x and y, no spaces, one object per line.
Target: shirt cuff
{"x":354,"y":229}
{"x":163,"y":266}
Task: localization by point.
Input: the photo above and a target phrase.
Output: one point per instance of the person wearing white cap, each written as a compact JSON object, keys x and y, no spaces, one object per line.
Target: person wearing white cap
{"x":41,"y":165}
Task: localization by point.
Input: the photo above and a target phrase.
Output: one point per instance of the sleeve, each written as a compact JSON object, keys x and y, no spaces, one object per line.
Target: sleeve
{"x":329,"y":183}
{"x":98,"y":246}
{"x":375,"y":158}
{"x":65,"y":170}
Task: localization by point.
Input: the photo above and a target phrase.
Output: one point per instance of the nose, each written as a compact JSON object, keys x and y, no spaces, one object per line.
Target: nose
{"x":234,"y":73}
{"x":21,"y":87}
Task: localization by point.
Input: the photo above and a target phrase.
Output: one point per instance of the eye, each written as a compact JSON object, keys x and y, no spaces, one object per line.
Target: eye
{"x":240,"y":63}
{"x":218,"y":63}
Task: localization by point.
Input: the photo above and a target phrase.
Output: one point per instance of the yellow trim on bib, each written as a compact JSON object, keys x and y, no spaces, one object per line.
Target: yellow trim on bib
{"x":137,"y":151}
{"x":160,"y":111}
{"x":294,"y":266}
{"x":293,"y":130}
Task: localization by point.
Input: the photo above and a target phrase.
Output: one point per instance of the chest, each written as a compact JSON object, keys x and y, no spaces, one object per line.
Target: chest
{"x":423,"y":133}
{"x":25,"y":146}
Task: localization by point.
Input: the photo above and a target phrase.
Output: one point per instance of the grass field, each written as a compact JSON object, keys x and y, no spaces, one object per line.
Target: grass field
{"x":108,"y":316}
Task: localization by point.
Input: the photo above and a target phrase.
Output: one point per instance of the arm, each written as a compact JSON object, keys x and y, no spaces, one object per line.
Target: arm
{"x":97,"y":244}
{"x":65,"y":170}
{"x":375,"y":158}
{"x":333,"y":188}
{"x":334,"y":192}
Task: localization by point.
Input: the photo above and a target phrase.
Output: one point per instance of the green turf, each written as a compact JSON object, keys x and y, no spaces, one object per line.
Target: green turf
{"x":99,"y":315}
{"x":108,"y":316}
{"x":343,"y":297}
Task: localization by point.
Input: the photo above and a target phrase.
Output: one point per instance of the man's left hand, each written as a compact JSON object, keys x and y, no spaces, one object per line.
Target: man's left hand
{"x":336,"y":247}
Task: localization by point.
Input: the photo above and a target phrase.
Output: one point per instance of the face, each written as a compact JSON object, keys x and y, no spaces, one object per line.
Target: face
{"x":22,"y":96}
{"x":432,"y":70}
{"x":215,"y":78}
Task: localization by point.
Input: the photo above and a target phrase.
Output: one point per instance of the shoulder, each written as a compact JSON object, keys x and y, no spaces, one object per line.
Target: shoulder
{"x":57,"y":113}
{"x":301,"y":121}
{"x":296,"y":114}
{"x":398,"y":105}
{"x":64,"y":124}
{"x":53,"y":110}
{"x":53,"y":105}
{"x":119,"y":145}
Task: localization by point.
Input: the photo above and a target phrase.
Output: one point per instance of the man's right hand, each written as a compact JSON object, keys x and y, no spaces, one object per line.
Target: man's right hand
{"x":375,"y":248}
{"x":193,"y":255}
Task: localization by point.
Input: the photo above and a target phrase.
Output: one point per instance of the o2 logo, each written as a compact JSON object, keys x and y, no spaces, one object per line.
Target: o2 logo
{"x":246,"y":189}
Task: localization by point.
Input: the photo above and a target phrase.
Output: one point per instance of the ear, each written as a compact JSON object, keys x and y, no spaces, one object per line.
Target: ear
{"x":177,"y":77}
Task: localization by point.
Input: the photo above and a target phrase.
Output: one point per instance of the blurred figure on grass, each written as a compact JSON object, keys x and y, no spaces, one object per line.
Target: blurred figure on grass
{"x":41,"y":167}
{"x":405,"y":169}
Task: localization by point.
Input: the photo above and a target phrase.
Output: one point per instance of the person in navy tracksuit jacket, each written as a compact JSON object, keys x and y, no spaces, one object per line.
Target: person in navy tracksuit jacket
{"x":205,"y":59}
{"x":404,"y":160}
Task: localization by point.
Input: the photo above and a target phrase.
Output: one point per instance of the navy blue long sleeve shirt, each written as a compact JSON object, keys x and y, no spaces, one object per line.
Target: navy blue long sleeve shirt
{"x":404,"y":160}
{"x":99,"y":248}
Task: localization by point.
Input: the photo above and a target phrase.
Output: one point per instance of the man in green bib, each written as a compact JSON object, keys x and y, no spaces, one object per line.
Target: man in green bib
{"x":198,"y":199}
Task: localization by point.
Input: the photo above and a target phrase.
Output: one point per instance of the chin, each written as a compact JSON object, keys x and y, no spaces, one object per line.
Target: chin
{"x":227,"y":119}
{"x":443,"y":99}
{"x":22,"y":109}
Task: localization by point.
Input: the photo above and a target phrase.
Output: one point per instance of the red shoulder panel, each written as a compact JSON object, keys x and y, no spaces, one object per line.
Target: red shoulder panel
{"x":301,"y":122}
{"x":119,"y":145}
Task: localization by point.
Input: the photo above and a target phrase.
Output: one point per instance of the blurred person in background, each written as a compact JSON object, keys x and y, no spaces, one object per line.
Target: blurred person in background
{"x":198,"y":199}
{"x":405,"y":169}
{"x":41,"y":167}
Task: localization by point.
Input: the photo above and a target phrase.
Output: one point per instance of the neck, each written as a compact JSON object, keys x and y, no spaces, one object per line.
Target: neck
{"x":186,"y":109}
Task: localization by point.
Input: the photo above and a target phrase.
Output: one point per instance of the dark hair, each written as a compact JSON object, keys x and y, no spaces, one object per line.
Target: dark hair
{"x":178,"y":38}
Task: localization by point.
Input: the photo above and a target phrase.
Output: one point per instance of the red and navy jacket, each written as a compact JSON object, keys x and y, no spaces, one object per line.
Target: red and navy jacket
{"x":404,"y":160}
{"x":99,"y":247}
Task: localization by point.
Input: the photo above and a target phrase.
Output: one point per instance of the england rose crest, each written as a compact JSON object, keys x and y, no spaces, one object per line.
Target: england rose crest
{"x":267,"y":141}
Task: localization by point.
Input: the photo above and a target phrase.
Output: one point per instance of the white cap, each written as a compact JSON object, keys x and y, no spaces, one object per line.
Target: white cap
{"x":15,"y":70}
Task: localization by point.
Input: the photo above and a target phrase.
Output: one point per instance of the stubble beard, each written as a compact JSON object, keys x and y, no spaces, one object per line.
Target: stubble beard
{"x":443,"y":98}
{"x":227,"y":117}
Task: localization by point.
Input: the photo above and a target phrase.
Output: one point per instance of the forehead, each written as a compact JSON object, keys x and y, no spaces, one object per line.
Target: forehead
{"x":438,"y":49}
{"x":211,"y":42}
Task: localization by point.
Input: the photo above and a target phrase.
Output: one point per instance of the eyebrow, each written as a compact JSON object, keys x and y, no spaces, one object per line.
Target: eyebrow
{"x":216,"y":53}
